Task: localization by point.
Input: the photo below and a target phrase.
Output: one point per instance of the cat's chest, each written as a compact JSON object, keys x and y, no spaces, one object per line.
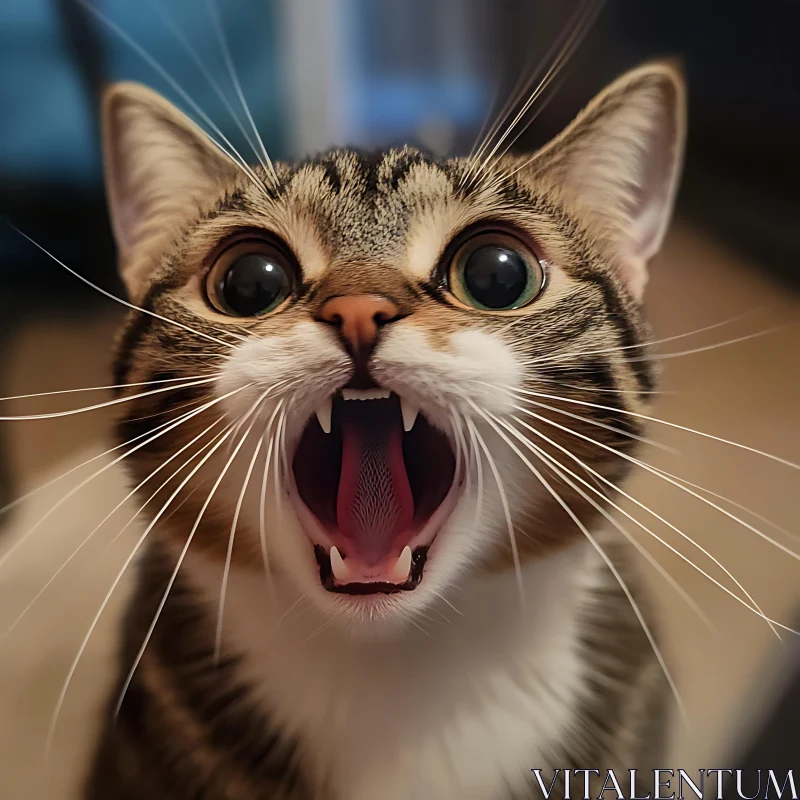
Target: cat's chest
{"x":463,"y":709}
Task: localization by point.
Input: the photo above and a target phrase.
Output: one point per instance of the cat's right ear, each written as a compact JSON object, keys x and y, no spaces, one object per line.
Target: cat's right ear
{"x":160,"y":168}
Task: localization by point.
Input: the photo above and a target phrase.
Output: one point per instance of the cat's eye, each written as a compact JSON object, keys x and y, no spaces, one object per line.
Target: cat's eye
{"x":250,"y":279}
{"x":495,"y":271}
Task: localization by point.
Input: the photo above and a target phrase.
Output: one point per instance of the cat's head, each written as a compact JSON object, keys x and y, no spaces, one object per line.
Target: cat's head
{"x":386,"y":365}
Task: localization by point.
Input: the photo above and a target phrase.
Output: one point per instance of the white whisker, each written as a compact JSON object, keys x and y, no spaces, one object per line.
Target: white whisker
{"x":650,"y":343}
{"x":741,"y":507}
{"x":229,"y":553}
{"x":554,"y":57}
{"x":114,"y":297}
{"x":587,"y":14}
{"x":665,"y":477}
{"x":43,"y":486}
{"x":264,"y":158}
{"x":609,"y":563}
{"x":479,"y":475}
{"x":262,"y":518}
{"x":181,"y":557}
{"x":108,"y":516}
{"x":106,"y":404}
{"x":504,"y":501}
{"x":212,"y":82}
{"x":560,"y":469}
{"x":166,"y":429}
{"x":99,"y":388}
{"x":232,"y":153}
{"x":711,"y":436}
{"x":107,"y":598}
{"x":755,"y":608}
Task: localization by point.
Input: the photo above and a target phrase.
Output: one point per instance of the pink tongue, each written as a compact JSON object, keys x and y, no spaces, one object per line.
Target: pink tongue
{"x":374,"y":504}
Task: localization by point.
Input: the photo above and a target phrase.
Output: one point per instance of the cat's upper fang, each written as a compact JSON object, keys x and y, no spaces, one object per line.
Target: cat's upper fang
{"x":323,"y":412}
{"x":409,"y":412}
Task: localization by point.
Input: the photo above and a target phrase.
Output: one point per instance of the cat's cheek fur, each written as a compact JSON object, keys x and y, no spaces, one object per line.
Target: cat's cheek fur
{"x":473,"y":368}
{"x":300,"y":353}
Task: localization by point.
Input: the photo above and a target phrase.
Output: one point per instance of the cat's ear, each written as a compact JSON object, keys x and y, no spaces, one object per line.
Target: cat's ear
{"x":160,"y":168}
{"x":619,"y":162}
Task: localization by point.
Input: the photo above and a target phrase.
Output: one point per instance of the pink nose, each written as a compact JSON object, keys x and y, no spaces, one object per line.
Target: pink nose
{"x":359,"y":317}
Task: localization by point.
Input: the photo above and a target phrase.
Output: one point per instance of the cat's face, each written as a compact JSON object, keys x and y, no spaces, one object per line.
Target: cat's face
{"x":387,"y":337}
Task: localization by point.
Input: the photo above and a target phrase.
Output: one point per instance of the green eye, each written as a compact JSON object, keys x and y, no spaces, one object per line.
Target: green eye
{"x":250,"y":279}
{"x":495,"y":272}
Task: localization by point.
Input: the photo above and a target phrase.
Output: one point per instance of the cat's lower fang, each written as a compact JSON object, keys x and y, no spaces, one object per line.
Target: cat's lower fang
{"x":409,"y":412}
{"x":400,"y":572}
{"x":323,"y":412}
{"x":402,"y":569}
{"x":340,"y":570}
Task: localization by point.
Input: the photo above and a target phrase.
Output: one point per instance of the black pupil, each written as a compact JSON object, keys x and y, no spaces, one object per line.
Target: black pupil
{"x":495,"y":276}
{"x":254,"y":283}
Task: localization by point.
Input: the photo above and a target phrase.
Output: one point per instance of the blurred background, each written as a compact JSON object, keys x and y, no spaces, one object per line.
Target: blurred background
{"x":371,"y":73}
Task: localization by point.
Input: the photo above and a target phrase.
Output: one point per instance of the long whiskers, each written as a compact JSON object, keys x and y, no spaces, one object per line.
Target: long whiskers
{"x":182,"y":556}
{"x":558,"y":55}
{"x":166,"y":429}
{"x":117,"y":579}
{"x":609,"y":563}
{"x":107,"y":403}
{"x":212,"y":82}
{"x":229,"y":554}
{"x":99,"y":388}
{"x":545,"y":456}
{"x":41,"y":487}
{"x":664,"y":340}
{"x":504,"y":501}
{"x":119,"y":299}
{"x":237,"y":511}
{"x":108,"y":516}
{"x":229,"y":151}
{"x":579,"y":26}
{"x":561,"y":471}
{"x":514,"y":391}
{"x":262,"y":516}
{"x":264,"y":158}
{"x":665,"y":477}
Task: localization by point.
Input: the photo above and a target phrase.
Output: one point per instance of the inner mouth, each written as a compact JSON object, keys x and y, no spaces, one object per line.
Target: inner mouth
{"x":373,"y":482}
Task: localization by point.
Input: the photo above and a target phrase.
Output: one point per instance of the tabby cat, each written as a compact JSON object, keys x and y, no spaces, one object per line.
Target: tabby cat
{"x":379,"y":561}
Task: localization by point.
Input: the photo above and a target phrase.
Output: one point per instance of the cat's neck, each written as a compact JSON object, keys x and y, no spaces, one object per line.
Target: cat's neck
{"x":491,"y":605}
{"x":495,"y":673}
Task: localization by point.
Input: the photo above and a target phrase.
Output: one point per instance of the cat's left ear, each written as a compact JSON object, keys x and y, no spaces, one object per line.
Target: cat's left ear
{"x":619,"y":163}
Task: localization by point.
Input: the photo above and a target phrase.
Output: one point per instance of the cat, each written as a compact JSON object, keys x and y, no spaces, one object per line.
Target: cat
{"x":379,"y":562}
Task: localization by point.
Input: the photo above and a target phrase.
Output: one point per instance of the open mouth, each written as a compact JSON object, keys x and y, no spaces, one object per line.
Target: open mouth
{"x":379,"y":479}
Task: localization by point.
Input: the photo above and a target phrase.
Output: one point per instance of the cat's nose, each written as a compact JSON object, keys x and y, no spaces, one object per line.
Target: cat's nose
{"x":360,"y":318}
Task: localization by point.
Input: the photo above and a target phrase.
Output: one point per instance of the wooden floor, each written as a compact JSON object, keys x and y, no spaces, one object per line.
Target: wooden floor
{"x":728,"y":667}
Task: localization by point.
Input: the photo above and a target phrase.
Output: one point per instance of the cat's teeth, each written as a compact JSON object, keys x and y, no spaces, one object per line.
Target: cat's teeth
{"x":340,"y":570}
{"x":401,"y":571}
{"x":366,"y":394}
{"x":323,"y":412}
{"x":409,"y":412}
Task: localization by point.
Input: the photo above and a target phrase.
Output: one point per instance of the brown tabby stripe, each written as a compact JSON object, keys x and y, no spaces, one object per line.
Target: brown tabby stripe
{"x":187,"y":728}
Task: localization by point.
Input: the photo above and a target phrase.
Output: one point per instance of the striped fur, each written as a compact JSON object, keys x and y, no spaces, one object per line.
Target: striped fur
{"x":382,"y":224}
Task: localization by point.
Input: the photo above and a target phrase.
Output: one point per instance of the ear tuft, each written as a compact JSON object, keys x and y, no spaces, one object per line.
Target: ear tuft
{"x":619,"y":162}
{"x":160,"y":168}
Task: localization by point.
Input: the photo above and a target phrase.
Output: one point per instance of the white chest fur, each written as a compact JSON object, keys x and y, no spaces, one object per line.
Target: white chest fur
{"x":462,"y":706}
